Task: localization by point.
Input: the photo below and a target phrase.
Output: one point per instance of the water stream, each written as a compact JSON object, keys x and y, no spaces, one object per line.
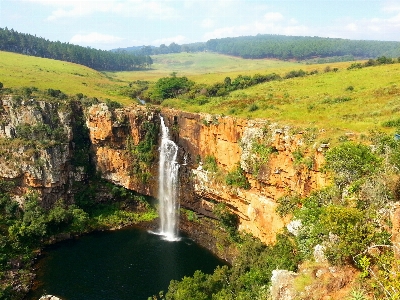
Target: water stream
{"x":168,"y":186}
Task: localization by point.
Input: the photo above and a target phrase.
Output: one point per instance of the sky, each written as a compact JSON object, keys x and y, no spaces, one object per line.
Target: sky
{"x":110,"y":24}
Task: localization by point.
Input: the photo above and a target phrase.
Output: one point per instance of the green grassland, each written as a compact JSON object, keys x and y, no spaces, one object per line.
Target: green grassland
{"x":18,"y":70}
{"x":203,"y":67}
{"x":338,"y":102}
{"x":355,"y":100}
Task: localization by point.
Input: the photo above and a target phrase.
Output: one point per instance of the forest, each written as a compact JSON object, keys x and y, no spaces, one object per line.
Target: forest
{"x":283,"y":47}
{"x":101,"y":60}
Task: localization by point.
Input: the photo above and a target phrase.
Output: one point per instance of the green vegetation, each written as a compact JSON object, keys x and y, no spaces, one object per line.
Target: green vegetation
{"x":228,"y":219}
{"x":25,"y":229}
{"x":237,"y":178}
{"x":17,"y":71}
{"x":351,"y":162}
{"x":248,"y":278}
{"x":310,"y":100}
{"x":203,"y":67}
{"x":297,"y":47}
{"x":210,"y":164}
{"x":349,"y":219}
{"x":14,"y":41}
{"x":169,"y":87}
{"x":284,"y":47}
{"x":144,"y":153}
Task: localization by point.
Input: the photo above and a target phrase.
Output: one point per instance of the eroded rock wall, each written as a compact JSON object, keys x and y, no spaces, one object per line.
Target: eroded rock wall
{"x":277,"y":160}
{"x":41,"y":164}
{"x":231,"y":141}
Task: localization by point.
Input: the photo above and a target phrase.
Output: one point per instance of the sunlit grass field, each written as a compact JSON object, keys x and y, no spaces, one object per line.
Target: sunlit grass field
{"x":336,"y":102}
{"x":18,"y":70}
{"x":204,"y":67}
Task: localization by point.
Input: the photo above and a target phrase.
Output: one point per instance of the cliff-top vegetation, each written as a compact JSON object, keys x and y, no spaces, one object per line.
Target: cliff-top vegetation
{"x":338,"y":97}
{"x":341,"y":97}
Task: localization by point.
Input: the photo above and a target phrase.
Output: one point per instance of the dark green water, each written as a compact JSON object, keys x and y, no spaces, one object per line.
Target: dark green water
{"x":125,"y":264}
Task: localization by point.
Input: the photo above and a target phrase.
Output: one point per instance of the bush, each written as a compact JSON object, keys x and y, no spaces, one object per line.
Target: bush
{"x":247,"y":278}
{"x":170,"y":87}
{"x":355,"y":66}
{"x":56,"y":94}
{"x":237,"y":178}
{"x":229,"y":220}
{"x":292,"y":74}
{"x":391,"y":123}
{"x":253,"y":107}
{"x":287,"y":204}
{"x":350,"y":162}
{"x":210,"y":164}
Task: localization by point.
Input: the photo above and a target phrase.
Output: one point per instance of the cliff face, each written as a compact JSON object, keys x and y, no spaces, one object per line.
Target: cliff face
{"x":124,"y":149}
{"x":230,"y":142}
{"x":265,"y":151}
{"x":42,"y":165}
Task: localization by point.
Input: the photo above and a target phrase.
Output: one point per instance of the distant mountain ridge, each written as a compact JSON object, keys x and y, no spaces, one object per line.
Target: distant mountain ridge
{"x":282,"y":47}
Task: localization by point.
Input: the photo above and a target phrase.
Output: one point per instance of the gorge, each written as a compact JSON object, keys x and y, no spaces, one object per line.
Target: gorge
{"x":245,"y":165}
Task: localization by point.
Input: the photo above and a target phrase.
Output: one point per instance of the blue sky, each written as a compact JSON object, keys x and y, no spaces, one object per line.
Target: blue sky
{"x":108,"y":24}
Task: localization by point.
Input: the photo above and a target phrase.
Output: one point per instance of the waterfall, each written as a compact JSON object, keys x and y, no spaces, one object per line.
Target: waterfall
{"x":168,"y":186}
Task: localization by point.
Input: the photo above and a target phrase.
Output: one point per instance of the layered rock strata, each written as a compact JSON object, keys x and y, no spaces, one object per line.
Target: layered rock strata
{"x":231,"y":142}
{"x":276,"y":160}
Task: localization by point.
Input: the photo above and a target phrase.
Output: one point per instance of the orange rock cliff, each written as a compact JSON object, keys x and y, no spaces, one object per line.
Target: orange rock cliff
{"x":264,"y":150}
{"x":231,"y":142}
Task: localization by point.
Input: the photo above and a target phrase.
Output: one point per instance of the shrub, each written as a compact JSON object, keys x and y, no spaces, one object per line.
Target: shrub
{"x":253,"y":107}
{"x":210,"y":164}
{"x":287,"y":204}
{"x":113,"y":104}
{"x":391,"y":123}
{"x":170,"y":87}
{"x":237,"y":178}
{"x":229,"y":220}
{"x":350,"y":162}
{"x":56,"y":94}
{"x":294,"y":73}
{"x":355,"y":66}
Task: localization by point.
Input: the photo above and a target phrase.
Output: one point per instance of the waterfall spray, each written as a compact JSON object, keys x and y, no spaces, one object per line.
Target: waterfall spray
{"x":168,"y":186}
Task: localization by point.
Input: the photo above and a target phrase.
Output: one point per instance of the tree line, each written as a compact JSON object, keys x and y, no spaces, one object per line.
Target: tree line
{"x":101,"y":60}
{"x":283,"y":47}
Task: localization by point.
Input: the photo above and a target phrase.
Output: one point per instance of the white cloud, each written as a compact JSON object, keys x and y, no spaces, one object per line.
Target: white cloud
{"x":179,"y":39}
{"x":374,"y":28}
{"x":273,"y":17}
{"x":133,"y":8}
{"x":95,"y":38}
{"x":352,"y":27}
{"x":207,"y":23}
{"x":271,"y":23}
{"x":391,"y":6}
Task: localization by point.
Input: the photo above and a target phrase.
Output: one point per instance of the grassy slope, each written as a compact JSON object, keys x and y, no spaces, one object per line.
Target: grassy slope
{"x":203,"y":67}
{"x":18,"y":70}
{"x":307,"y":102}
{"x":300,"y":101}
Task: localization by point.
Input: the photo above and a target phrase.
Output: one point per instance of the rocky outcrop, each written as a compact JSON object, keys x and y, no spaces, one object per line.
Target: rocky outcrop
{"x":35,"y":146}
